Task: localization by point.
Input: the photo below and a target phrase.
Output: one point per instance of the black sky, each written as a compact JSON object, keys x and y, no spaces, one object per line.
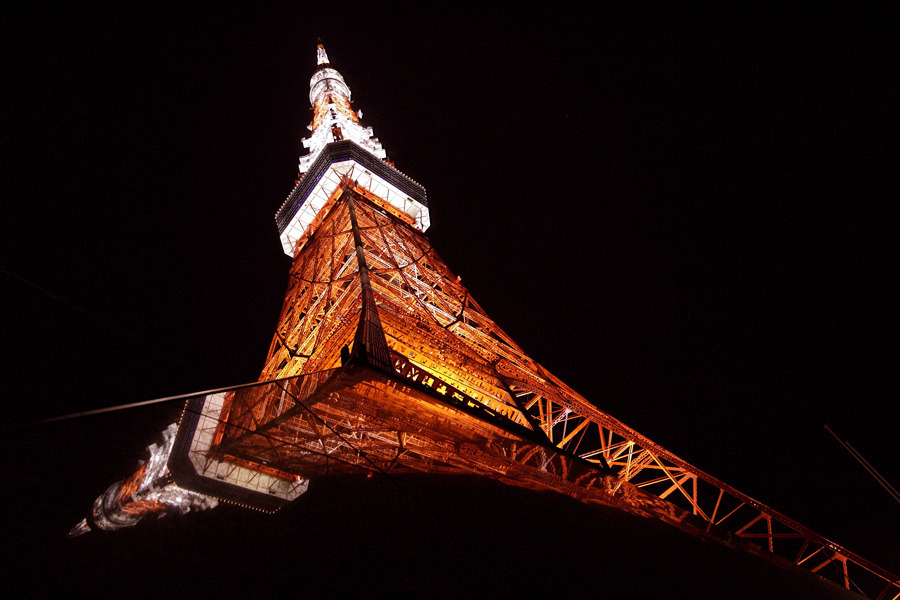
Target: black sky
{"x":689,"y":218}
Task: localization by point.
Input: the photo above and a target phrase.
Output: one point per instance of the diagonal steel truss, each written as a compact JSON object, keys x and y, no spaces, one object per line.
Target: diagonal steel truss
{"x":419,"y":378}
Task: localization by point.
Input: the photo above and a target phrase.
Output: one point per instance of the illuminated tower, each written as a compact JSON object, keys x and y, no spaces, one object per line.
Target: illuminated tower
{"x":383,"y":362}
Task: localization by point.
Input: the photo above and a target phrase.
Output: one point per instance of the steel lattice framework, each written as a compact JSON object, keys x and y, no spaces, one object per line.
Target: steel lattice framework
{"x":458,"y":394}
{"x":383,"y":361}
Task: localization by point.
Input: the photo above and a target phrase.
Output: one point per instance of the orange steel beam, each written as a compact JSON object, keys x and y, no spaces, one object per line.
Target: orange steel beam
{"x":362,"y":259}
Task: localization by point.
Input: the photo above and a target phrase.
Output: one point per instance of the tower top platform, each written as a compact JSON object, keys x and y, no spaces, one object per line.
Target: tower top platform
{"x":340,"y":147}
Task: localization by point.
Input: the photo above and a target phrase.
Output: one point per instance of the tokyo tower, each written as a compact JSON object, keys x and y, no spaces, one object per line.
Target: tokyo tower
{"x":383,"y":362}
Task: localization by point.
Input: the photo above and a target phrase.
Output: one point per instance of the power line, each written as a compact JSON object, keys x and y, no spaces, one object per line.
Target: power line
{"x":867,"y":466}
{"x":80,"y":309}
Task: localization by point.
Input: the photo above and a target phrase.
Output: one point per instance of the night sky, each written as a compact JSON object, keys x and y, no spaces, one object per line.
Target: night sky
{"x":691,"y":218}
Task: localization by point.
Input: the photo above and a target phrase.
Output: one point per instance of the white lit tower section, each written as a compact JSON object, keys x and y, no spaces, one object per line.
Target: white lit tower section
{"x":340,"y":148}
{"x":333,"y":117}
{"x":150,"y":491}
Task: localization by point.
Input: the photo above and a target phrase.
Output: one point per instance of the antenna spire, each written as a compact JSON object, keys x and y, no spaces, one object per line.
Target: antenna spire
{"x":321,"y":55}
{"x":334,"y":118}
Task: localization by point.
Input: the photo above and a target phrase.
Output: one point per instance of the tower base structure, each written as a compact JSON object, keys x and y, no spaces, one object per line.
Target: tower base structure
{"x":438,"y":388}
